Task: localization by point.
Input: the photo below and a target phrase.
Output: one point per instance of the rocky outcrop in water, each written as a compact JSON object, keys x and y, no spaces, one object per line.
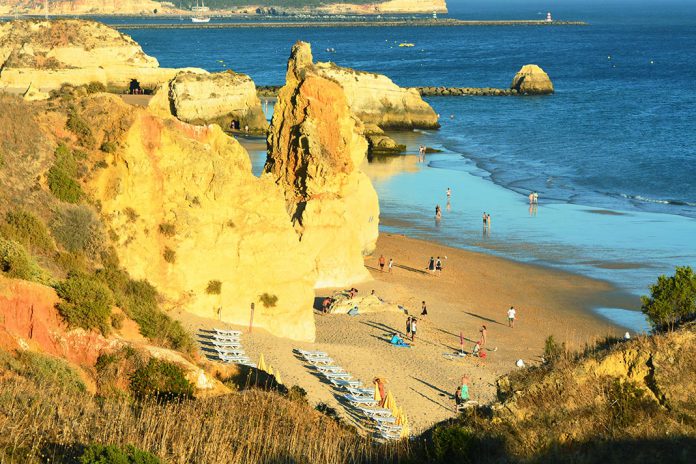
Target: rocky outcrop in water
{"x":42,"y":55}
{"x":532,"y":80}
{"x":315,"y":149}
{"x":188,"y":214}
{"x":227,"y":99}
{"x":380,"y":143}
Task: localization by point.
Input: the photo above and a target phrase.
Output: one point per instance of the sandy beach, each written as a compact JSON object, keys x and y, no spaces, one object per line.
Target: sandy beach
{"x":473,"y":289}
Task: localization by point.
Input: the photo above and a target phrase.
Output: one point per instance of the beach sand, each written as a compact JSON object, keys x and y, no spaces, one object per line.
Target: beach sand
{"x":473,"y":289}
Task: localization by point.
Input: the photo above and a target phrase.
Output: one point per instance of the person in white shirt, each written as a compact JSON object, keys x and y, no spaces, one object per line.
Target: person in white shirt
{"x":511,"y":316}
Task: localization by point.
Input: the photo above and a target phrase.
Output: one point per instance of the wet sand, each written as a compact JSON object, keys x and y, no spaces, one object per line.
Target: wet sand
{"x":473,"y":289}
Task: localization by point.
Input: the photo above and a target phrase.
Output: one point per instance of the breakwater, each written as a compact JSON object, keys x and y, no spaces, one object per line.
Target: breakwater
{"x":272,"y":91}
{"x":365,"y":23}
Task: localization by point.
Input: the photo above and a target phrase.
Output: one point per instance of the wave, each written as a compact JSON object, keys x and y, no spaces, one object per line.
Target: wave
{"x":657,"y":201}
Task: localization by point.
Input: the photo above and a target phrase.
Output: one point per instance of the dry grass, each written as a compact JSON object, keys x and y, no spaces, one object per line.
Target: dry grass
{"x":40,"y":423}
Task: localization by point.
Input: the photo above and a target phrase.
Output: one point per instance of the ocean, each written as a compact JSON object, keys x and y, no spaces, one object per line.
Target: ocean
{"x":612,"y":153}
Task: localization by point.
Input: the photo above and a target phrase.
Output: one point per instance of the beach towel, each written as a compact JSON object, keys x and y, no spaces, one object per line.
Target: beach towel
{"x":397,"y":341}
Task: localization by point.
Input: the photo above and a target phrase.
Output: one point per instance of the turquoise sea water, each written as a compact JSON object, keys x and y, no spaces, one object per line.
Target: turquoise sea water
{"x":612,"y":153}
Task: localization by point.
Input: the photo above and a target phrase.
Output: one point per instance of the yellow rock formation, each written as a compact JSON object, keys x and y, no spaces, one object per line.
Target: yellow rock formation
{"x":532,"y":80}
{"x":44,"y":55}
{"x":375,"y":99}
{"x":315,"y":149}
{"x":79,"y":7}
{"x":218,"y":98}
{"x":188,"y":212}
{"x":388,"y":6}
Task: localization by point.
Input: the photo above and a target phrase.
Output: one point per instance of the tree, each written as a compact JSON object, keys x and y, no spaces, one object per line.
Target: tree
{"x":672,"y":299}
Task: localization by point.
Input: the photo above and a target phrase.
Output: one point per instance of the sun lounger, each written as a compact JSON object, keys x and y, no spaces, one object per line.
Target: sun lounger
{"x":382,"y":420}
{"x":230,"y":351}
{"x":346,"y":383}
{"x":312,"y":353}
{"x":227,"y":344}
{"x":376,"y":412}
{"x":227,"y":338}
{"x":227,"y":332}
{"x":361,"y":400}
{"x":389,"y":434}
{"x":361,"y":391}
{"x":334,"y":369}
{"x":320,"y":361}
{"x":338,"y":375}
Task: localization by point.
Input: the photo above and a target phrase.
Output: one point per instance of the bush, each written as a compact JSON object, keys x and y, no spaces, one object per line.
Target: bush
{"x":78,"y":229}
{"x":78,"y":126}
{"x":117,"y":320}
{"x":169,"y":255}
{"x":672,"y":299}
{"x":110,"y":454}
{"x":47,"y":369}
{"x":162,"y":380}
{"x":86,"y":302}
{"x":268,"y":300}
{"x":298,"y":394}
{"x":95,"y":87}
{"x":108,"y":147}
{"x":15,"y":262}
{"x":29,"y":230}
{"x":625,"y":402}
{"x":453,"y":443}
{"x":553,"y":351}
{"x":62,"y":176}
{"x":167,"y":229}
{"x":214,"y":287}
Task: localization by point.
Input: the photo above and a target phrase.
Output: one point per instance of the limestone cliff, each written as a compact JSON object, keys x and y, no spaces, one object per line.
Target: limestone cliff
{"x":80,"y":7}
{"x":532,"y":80}
{"x":43,"y":55}
{"x":187,"y":212}
{"x":217,"y":98}
{"x":315,"y":149}
{"x":375,"y":99}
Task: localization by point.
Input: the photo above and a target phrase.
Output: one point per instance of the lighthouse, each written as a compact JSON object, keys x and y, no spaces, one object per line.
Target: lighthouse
{"x":549,"y":19}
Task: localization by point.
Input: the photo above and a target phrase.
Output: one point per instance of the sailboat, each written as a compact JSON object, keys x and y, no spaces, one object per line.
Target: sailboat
{"x":199,"y":10}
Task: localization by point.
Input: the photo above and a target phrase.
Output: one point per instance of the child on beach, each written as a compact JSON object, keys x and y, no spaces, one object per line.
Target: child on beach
{"x":438,"y":266}
{"x":391,"y":264}
{"x":511,"y":316}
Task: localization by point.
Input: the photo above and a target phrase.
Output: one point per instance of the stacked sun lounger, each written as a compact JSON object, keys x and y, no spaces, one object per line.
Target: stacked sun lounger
{"x":361,"y":398}
{"x":225,"y":346}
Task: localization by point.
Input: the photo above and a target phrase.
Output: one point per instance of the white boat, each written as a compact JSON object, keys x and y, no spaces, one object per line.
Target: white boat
{"x":199,"y":10}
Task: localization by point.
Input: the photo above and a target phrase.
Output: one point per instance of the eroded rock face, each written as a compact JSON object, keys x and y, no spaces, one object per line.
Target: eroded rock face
{"x":219,"y":98}
{"x":315,"y":149}
{"x":46,"y":54}
{"x":387,"y":6}
{"x":187,"y":212}
{"x":375,"y":99}
{"x":532,"y":80}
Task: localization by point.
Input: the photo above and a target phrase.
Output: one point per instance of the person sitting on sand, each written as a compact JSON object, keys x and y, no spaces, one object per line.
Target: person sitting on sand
{"x":462,"y":394}
{"x":326,"y":304}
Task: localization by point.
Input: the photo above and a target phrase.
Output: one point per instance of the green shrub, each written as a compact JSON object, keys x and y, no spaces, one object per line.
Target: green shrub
{"x":672,"y":299}
{"x":29,"y":230}
{"x":117,"y":320}
{"x":553,"y":351}
{"x":109,"y":147}
{"x":167,"y":229}
{"x":63,"y":186}
{"x":268,"y":300}
{"x":78,"y":229}
{"x":625,"y":402}
{"x":297,"y":393}
{"x":86,"y":302}
{"x":169,"y":255}
{"x":95,"y":87}
{"x":214,"y":287}
{"x":162,"y":380}
{"x":15,"y":262}
{"x":47,"y":369}
{"x":78,"y":126}
{"x":453,"y":443}
{"x":110,"y":454}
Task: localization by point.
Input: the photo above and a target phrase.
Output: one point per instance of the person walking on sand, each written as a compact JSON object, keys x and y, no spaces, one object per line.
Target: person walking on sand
{"x":382,"y":262}
{"x":431,"y":264}
{"x":408,"y":326}
{"x":438,"y":266}
{"x":484,"y":336}
{"x":391,"y":264}
{"x":424,"y":309}
{"x":511,"y":317}
{"x":414,"y":328}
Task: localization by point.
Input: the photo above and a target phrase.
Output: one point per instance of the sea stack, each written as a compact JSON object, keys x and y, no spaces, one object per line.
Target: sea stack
{"x":532,"y":80}
{"x":315,"y":149}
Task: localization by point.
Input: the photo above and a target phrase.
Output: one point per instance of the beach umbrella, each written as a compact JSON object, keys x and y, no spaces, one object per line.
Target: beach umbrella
{"x":405,"y":428}
{"x":278,"y":379}
{"x":262,"y":363}
{"x":377,"y":396}
{"x":388,"y":400}
{"x":394,"y":408}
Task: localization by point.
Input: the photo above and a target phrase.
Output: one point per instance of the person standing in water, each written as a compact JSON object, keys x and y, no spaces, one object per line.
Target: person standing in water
{"x":485,"y":220}
{"x":536,"y":198}
{"x":531,"y":198}
{"x":438,"y":212}
{"x":449,"y":192}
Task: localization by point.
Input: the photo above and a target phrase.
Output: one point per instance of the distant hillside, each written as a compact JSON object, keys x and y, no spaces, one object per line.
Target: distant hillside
{"x":151,"y":7}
